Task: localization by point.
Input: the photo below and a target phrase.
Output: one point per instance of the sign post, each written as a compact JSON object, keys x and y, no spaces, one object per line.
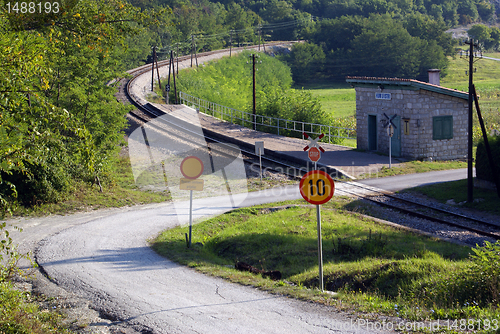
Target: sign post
{"x":314,"y":150}
{"x":259,"y":150}
{"x":191,"y":168}
{"x":317,"y":187}
{"x":390,"y":131}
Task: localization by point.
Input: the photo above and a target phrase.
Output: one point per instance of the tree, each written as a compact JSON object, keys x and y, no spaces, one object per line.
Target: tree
{"x":386,"y":49}
{"x":306,"y":61}
{"x":481,"y":33}
{"x":59,"y":119}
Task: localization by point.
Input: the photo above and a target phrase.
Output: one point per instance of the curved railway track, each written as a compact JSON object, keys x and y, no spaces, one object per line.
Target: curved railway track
{"x":146,"y":112}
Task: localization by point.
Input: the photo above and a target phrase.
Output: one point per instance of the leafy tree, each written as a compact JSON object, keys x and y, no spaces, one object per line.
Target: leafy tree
{"x":306,"y":61}
{"x":337,"y":33}
{"x":385,"y":48}
{"x":467,"y":11}
{"x":429,"y":29}
{"x":59,"y":120}
{"x":486,"y":10}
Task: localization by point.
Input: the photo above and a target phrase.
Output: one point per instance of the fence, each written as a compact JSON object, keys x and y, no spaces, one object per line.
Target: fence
{"x":279,"y":126}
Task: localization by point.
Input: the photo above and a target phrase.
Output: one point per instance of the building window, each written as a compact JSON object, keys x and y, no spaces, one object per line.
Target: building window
{"x":442,"y":127}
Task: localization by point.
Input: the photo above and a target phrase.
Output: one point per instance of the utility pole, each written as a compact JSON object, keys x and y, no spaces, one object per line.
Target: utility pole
{"x":260,"y":34}
{"x":155,"y":59}
{"x":470,"y":159}
{"x":193,"y":50}
{"x":177,"y":55}
{"x":254,"y":101}
{"x":230,"y":42}
{"x":153,"y":69}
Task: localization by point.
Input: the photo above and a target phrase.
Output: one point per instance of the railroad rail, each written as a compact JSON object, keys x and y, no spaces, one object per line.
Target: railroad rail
{"x":147,"y":111}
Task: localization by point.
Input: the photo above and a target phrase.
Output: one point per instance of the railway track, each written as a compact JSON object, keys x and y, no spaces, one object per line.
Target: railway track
{"x":146,"y":112}
{"x":427,"y":212}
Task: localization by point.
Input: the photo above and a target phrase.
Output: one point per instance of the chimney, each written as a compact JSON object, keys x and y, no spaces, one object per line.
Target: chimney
{"x":434,"y":76}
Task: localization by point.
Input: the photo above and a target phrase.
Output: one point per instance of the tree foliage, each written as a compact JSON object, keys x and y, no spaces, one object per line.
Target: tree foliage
{"x":59,"y":120}
{"x":488,"y":37}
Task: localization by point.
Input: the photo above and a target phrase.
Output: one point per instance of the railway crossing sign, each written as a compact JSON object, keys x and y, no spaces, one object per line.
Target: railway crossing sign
{"x":314,"y":150}
{"x":314,"y":142}
{"x":317,"y":187}
{"x":390,"y":132}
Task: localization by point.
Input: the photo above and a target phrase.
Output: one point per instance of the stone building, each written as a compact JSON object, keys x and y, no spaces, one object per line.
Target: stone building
{"x":430,"y":121}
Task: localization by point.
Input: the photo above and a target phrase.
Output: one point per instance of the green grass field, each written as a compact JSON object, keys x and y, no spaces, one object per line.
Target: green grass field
{"x":338,"y":99}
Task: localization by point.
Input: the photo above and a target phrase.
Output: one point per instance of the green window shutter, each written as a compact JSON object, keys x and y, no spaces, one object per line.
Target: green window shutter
{"x":442,"y":127}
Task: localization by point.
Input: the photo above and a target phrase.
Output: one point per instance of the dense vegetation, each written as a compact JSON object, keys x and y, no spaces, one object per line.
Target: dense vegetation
{"x":229,"y":82}
{"x":483,"y":168}
{"x":358,"y":37}
{"x":59,"y":121}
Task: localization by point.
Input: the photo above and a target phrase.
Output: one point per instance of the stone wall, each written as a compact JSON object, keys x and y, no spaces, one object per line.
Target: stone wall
{"x":419,"y":106}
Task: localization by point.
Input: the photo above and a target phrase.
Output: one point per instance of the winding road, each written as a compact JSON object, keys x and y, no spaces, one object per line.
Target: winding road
{"x":107,"y":260}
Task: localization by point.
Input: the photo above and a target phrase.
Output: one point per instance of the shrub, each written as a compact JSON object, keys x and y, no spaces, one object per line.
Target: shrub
{"x":9,"y":257}
{"x":475,"y":283}
{"x":483,"y":170}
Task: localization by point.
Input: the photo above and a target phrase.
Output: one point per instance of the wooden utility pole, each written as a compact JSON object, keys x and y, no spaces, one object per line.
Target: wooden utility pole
{"x":254,"y":100}
{"x":172,"y":61}
{"x":177,"y":55}
{"x":230,"y":42}
{"x":157,"y":67}
{"x":193,"y":44}
{"x":470,"y":159}
{"x":153,"y":69}
{"x":167,"y":88}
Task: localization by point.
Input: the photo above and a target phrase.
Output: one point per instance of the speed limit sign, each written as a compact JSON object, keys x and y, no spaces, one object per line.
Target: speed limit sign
{"x":317,"y":187}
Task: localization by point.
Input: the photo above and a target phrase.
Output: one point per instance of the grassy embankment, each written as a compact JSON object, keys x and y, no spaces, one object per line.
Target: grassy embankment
{"x":373,"y":267}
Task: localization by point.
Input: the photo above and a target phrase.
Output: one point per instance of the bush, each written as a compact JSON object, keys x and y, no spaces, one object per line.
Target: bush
{"x":483,"y":170}
{"x":9,"y":257}
{"x":476,"y":283}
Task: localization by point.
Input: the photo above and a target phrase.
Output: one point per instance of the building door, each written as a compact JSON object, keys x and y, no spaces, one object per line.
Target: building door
{"x":396,"y":137}
{"x":372,"y":132}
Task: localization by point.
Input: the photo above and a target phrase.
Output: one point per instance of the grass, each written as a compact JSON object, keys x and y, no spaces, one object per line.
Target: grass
{"x":486,"y":200}
{"x":487,"y":82}
{"x":20,"y":314}
{"x":373,"y":267}
{"x":337,"y":99}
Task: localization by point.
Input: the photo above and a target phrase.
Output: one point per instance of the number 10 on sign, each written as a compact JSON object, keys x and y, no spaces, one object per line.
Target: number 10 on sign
{"x":317,"y":187}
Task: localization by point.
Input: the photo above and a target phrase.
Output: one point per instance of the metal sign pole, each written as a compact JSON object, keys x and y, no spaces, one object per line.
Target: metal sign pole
{"x":190,"y":216}
{"x":320,"y":248}
{"x":260,"y":163}
{"x":390,"y":153}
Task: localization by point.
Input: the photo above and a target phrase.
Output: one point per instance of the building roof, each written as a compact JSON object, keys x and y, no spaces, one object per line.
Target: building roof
{"x":395,"y":83}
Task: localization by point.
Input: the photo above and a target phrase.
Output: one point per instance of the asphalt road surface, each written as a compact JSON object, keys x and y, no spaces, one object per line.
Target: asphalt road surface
{"x":107,"y":260}
{"x":400,"y":182}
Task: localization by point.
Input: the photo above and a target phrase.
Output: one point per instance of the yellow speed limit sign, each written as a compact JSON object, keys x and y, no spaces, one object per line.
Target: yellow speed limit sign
{"x":317,"y":187}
